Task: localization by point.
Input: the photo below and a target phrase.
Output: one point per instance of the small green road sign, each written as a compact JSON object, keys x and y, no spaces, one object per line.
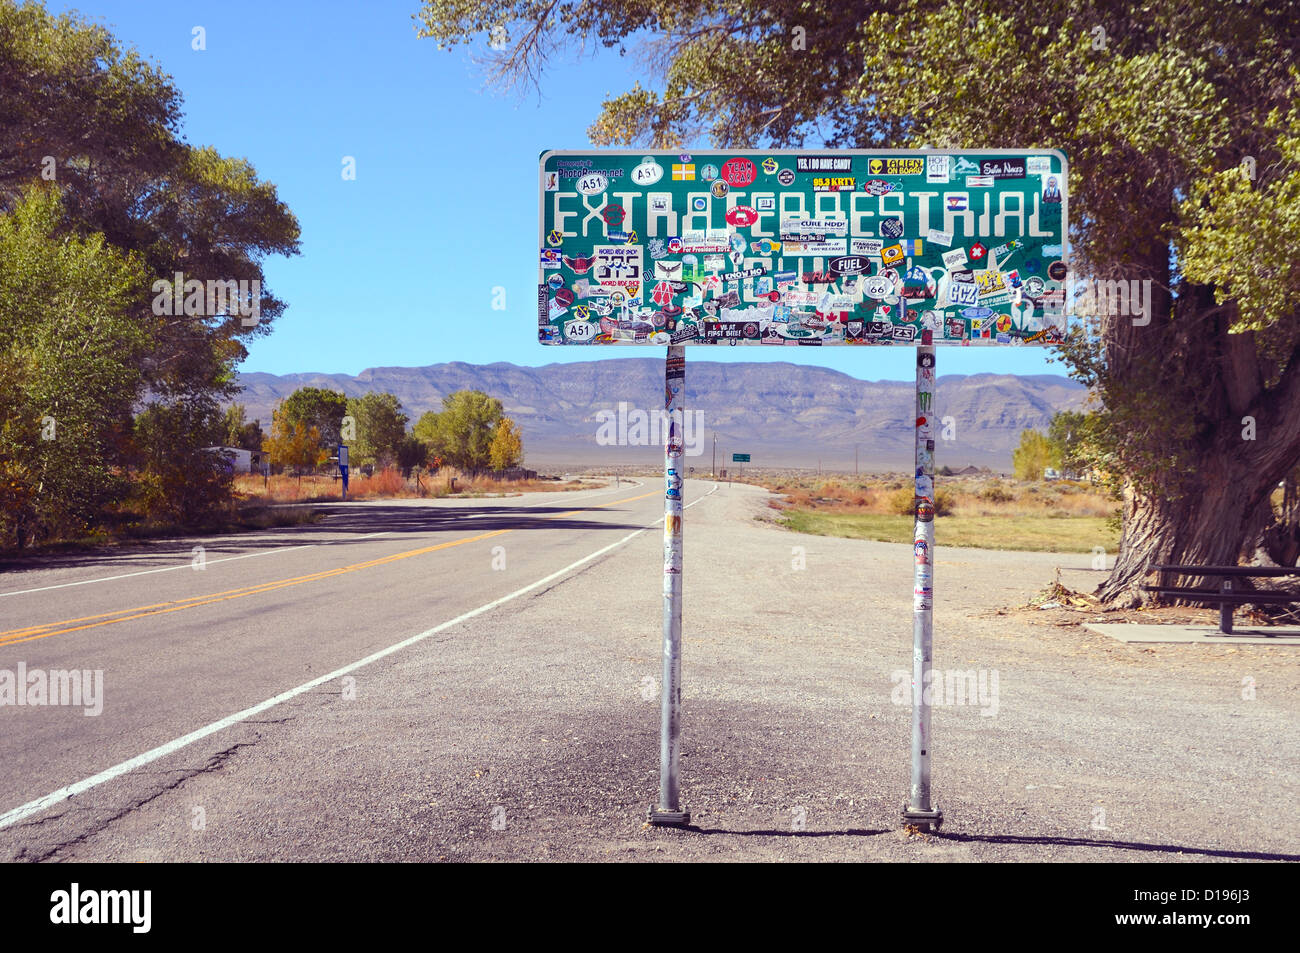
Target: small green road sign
{"x":740,"y":458}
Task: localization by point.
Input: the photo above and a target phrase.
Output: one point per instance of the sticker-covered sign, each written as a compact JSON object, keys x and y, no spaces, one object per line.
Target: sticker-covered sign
{"x":790,"y":248}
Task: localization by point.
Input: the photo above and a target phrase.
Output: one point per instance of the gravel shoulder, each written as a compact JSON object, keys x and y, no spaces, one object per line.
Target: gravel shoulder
{"x":530,"y":732}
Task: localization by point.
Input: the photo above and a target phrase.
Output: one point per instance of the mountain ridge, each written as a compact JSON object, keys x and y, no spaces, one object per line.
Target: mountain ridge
{"x":783,"y":414}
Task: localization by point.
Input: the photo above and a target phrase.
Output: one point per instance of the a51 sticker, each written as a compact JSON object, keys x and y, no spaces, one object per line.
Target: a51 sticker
{"x":580,"y":330}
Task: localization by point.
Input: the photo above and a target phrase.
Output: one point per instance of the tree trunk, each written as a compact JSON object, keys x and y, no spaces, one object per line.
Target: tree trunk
{"x":1201,"y":529}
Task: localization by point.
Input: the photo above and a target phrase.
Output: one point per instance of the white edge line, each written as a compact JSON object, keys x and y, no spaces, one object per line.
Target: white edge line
{"x":14,"y":815}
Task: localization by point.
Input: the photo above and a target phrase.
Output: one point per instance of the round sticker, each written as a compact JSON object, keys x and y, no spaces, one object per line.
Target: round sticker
{"x":555,"y":238}
{"x":564,"y":297}
{"x":1056,"y":271}
{"x":769,"y":165}
{"x":742,"y":216}
{"x":878,"y":286}
{"x":555,"y":281}
{"x":719,"y":189}
{"x":617,"y":298}
{"x":1003,"y":322}
{"x":593,"y":184}
{"x":785,"y":177}
{"x":699,"y":203}
{"x":648,"y":172}
{"x":739,"y":173}
{"x":709,"y":173}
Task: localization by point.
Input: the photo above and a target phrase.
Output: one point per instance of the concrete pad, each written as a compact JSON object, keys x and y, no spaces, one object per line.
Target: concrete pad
{"x":1208,"y":634}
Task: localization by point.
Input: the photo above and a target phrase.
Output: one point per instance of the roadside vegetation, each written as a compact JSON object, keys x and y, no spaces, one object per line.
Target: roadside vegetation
{"x":984,"y":512}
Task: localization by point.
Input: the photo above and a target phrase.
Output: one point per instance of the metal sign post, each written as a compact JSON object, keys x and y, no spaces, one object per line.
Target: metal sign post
{"x":343,"y":469}
{"x":669,"y":810}
{"x":918,"y":811}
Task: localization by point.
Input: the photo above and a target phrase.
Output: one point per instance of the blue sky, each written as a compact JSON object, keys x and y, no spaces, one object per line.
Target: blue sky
{"x":398,"y":267}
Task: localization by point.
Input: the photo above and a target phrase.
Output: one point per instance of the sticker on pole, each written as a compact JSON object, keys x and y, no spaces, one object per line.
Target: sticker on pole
{"x":867,"y":247}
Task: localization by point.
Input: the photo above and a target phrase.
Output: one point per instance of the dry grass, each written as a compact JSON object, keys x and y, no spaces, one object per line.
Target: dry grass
{"x":386,"y":484}
{"x":969,"y":496}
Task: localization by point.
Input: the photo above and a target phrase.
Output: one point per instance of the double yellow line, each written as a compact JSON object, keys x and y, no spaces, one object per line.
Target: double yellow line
{"x":34,"y":632}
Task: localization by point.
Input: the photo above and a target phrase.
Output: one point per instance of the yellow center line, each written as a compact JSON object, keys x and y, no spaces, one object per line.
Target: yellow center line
{"x":32,"y":633}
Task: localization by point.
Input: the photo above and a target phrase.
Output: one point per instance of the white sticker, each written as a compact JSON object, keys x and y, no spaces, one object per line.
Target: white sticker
{"x":938,"y":237}
{"x":936,"y":169}
{"x":593,"y":184}
{"x":962,"y":294}
{"x":648,"y":172}
{"x":1038,"y":165}
{"x":580,"y":330}
{"x":979,"y":181}
{"x":865,"y":246}
{"x":952,"y":260}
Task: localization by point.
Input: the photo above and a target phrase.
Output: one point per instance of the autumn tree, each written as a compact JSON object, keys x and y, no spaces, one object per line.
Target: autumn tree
{"x":1032,"y":456}
{"x":293,"y":442}
{"x":507,"y":448}
{"x":1179,"y":120}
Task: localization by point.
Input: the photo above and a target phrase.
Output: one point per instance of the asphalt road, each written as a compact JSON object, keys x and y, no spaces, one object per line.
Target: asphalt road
{"x":428,"y":680}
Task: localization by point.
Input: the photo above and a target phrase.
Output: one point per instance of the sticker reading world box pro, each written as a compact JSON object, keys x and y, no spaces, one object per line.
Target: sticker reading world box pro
{"x":827,"y":249}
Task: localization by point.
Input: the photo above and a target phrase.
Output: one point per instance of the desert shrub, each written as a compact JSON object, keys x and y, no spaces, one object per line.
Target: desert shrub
{"x":900,"y":502}
{"x":996,"y":493}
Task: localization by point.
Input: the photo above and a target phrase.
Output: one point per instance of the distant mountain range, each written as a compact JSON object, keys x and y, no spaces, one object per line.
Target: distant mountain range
{"x":787,"y":415}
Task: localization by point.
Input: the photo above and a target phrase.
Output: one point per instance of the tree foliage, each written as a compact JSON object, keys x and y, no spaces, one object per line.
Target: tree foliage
{"x":68,"y":371}
{"x":380,"y":428}
{"x":461,"y":434}
{"x":318,"y":409}
{"x":1165,"y":108}
{"x":293,"y":442}
{"x":100,"y":198}
{"x":1034,"y":454}
{"x":507,"y":448}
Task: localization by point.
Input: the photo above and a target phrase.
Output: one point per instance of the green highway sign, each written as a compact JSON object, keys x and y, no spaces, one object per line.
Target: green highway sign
{"x":800,"y":247}
{"x":740,"y":458}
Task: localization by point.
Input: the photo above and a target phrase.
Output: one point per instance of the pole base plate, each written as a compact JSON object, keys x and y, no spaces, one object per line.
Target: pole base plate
{"x":924,"y":820}
{"x":661,"y":818}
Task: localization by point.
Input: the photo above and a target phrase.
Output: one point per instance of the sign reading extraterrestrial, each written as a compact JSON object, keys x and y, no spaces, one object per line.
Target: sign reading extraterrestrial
{"x":803,"y":247}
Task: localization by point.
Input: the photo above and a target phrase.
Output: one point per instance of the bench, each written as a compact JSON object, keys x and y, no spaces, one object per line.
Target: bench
{"x":1225,"y":595}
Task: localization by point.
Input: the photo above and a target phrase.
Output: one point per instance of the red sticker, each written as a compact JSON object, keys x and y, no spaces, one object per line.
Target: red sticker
{"x":742,"y":216}
{"x":738,"y":172}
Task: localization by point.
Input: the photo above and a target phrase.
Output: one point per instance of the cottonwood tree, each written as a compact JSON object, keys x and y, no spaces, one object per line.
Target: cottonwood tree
{"x":380,"y":424}
{"x":461,"y":434}
{"x":1178,"y":118}
{"x":92,"y":120}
